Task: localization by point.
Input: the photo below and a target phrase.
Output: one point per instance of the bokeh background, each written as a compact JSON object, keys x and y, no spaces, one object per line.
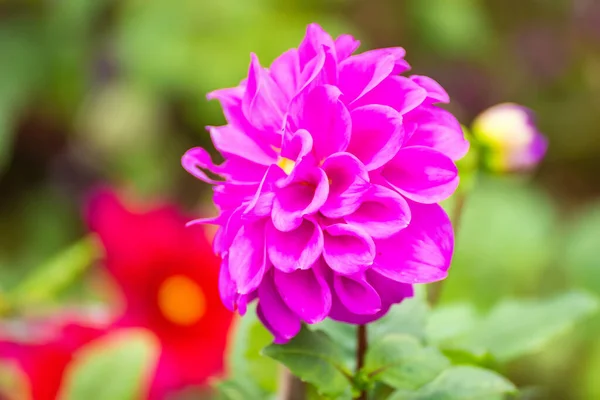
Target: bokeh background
{"x":113,"y":91}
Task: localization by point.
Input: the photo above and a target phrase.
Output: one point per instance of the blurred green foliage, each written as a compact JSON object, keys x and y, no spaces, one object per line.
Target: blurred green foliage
{"x":114,"y":91}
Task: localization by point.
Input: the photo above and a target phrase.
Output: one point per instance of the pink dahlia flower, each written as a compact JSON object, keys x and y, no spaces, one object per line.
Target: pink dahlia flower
{"x":333,"y":167}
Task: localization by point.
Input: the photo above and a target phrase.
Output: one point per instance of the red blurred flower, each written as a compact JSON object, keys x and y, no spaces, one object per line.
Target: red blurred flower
{"x":168,"y":277}
{"x":42,"y":350}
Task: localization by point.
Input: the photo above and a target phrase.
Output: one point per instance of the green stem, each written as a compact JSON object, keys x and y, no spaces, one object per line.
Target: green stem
{"x":361,"y":350}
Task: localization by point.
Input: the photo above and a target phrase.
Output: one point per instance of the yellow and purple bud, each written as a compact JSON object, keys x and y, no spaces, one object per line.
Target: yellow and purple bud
{"x":509,"y":138}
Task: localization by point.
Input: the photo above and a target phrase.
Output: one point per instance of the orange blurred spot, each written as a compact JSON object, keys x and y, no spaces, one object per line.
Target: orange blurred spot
{"x":181,"y":300}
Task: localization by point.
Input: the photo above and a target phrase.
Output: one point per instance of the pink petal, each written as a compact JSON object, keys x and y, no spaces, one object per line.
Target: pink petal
{"x":196,"y":161}
{"x":438,"y":129}
{"x":306,"y":293}
{"x":321,"y":70}
{"x":360,"y":73}
{"x":422,"y":252}
{"x":390,"y":291}
{"x":348,"y":182}
{"x":230,"y":195}
{"x":356,"y":294}
{"x":247,"y":257}
{"x":347,"y":249}
{"x":435,"y":91}
{"x":345,"y":45}
{"x":285,"y":71}
{"x":422,"y":174}
{"x":232,"y":141}
{"x":397,"y":53}
{"x":264,"y":103}
{"x":283,"y":323}
{"x":377,"y":135}
{"x":314,"y":41}
{"x":297,"y":249}
{"x":382,"y":213}
{"x":297,"y":145}
{"x":303,"y":193}
{"x":322,"y":113}
{"x":398,"y":92}
{"x":231,"y":101}
{"x":262,"y":202}
{"x":227,"y":288}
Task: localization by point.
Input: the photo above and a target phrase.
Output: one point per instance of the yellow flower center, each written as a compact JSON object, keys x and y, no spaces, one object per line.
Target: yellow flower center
{"x":181,"y":300}
{"x":286,"y":164}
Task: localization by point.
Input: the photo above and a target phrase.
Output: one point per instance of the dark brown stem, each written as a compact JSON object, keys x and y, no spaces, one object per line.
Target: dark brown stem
{"x":290,"y":387}
{"x":434,"y":291}
{"x":361,"y":350}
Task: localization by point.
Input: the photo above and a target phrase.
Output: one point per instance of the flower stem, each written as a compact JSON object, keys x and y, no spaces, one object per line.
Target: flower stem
{"x":290,"y":387}
{"x":434,"y":291}
{"x":361,"y":350}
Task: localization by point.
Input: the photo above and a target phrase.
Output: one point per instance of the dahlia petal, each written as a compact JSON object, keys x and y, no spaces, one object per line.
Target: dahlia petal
{"x":347,"y":249}
{"x":231,"y":101}
{"x":436,"y":128}
{"x":263,"y":103}
{"x":321,"y":70}
{"x":398,"y":54}
{"x":247,"y":257}
{"x":306,"y":293}
{"x":322,"y":114}
{"x":196,"y":160}
{"x":435,"y":91}
{"x":422,"y":252}
{"x":303,"y":193}
{"x":297,"y":249}
{"x":238,"y":169}
{"x":285,"y":71}
{"x":345,"y":45}
{"x":422,"y":174}
{"x":262,"y":202}
{"x":229,"y":140}
{"x":360,"y":73}
{"x":348,"y":182}
{"x":356,"y":294}
{"x":313,"y":42}
{"x":230,"y":195}
{"x":244,"y":300}
{"x":227,"y":288}
{"x":382,"y":213}
{"x":390,"y":291}
{"x":377,"y":135}
{"x":398,"y":92}
{"x":297,"y":145}
{"x":283,"y":323}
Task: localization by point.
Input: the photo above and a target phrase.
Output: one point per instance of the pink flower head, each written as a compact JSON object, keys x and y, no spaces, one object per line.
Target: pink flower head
{"x":333,"y":167}
{"x":168,"y":277}
{"x":510,"y":138}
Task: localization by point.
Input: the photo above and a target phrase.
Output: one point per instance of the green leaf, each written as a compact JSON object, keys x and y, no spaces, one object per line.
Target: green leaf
{"x":461,"y":383}
{"x":408,"y":317}
{"x":247,"y":362}
{"x":345,"y":337}
{"x":582,"y":244}
{"x":402,"y":362}
{"x":57,"y":274}
{"x":316,"y":359}
{"x":450,"y":321}
{"x":518,"y":327}
{"x":113,"y":368}
{"x":507,"y":236}
{"x":237,"y":389}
